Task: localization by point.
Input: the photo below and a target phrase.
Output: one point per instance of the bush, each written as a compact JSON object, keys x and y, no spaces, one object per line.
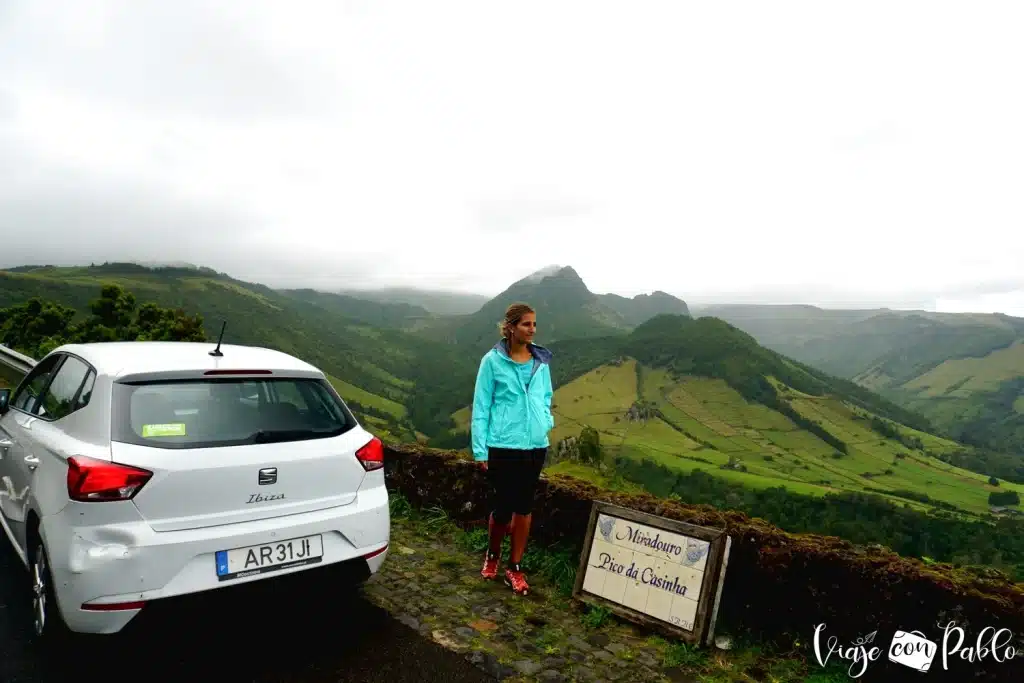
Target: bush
{"x":589,"y":445}
{"x":1001,"y":498}
{"x":37,"y":327}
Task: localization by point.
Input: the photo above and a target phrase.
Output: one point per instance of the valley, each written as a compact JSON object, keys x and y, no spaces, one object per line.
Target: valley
{"x":964,"y":372}
{"x":679,"y":405}
{"x":701,"y":423}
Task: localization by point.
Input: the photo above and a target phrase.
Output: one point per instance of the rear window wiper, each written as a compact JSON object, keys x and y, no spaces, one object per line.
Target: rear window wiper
{"x":271,"y":435}
{"x":268,"y":435}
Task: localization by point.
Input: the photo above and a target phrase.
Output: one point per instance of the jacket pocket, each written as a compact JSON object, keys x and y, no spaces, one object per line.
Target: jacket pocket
{"x":540,"y":424}
{"x":499,"y":425}
{"x":543,"y":420}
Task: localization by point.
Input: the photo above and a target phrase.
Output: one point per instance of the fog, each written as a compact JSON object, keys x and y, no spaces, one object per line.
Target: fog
{"x":789,"y":152}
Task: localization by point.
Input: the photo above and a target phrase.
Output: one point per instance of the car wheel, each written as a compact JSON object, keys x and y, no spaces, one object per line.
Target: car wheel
{"x":47,"y":622}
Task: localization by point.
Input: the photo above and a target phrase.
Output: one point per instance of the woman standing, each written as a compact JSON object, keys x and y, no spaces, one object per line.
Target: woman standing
{"x":511,"y":421}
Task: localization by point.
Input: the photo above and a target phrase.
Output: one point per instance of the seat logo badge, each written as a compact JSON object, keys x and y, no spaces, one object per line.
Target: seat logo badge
{"x":268,"y":475}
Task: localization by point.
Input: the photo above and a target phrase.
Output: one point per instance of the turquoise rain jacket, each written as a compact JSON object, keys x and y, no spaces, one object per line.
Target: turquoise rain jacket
{"x":508,"y":412}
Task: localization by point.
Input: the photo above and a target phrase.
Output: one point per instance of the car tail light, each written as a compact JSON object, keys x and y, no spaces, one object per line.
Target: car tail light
{"x":98,"y":481}
{"x":371,"y":456}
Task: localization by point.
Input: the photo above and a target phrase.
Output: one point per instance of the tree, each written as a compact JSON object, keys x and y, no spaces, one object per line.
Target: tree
{"x":113,"y":310}
{"x":34,"y":326}
{"x":164,"y":324}
{"x":1004,"y":498}
{"x":589,"y":445}
{"x":993,"y":481}
{"x":37,"y":327}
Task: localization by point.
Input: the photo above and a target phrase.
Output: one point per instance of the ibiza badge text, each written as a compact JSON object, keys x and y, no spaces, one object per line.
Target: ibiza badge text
{"x":259,"y":498}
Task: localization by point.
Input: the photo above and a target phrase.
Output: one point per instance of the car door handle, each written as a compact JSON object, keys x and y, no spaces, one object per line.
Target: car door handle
{"x":33,"y":461}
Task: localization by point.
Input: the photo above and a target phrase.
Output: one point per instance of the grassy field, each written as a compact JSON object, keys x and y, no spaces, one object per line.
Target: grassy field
{"x":350,"y":392}
{"x":962,"y":377}
{"x":707,"y":425}
{"x":593,"y":476}
{"x":890,"y":465}
{"x":979,"y":400}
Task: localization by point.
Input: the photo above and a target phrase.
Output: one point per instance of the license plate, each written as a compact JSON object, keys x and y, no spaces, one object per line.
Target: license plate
{"x":269,"y":557}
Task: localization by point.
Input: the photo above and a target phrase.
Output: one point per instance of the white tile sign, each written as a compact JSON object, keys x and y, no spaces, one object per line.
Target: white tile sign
{"x":648,"y":570}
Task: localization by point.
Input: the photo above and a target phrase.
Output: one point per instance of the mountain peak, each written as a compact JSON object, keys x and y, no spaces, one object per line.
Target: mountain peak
{"x":554,"y":270}
{"x":555,"y":280}
{"x":567,"y":309}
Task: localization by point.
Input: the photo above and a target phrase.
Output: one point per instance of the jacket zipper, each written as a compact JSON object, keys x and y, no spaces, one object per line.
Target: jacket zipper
{"x":533,"y":371}
{"x":526,"y":387}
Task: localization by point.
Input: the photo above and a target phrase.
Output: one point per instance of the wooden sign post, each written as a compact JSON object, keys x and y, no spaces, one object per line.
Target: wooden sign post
{"x":658,"y":572}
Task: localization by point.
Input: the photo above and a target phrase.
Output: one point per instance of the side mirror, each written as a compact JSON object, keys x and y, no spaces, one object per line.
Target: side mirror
{"x":5,"y":399}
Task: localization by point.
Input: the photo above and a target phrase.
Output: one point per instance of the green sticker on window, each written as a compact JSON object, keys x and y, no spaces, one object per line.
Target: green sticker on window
{"x":173,"y":429}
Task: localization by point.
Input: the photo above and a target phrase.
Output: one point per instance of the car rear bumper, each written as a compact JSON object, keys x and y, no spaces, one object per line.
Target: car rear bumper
{"x":129,"y":562}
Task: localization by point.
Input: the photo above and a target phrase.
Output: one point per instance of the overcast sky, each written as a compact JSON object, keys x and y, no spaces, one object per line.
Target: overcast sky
{"x":867,"y":153}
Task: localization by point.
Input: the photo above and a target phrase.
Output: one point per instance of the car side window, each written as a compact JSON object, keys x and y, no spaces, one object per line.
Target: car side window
{"x":32,"y":386}
{"x":59,"y":399}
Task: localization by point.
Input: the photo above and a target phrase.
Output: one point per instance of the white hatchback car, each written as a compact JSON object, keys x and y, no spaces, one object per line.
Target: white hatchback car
{"x":136,"y":471}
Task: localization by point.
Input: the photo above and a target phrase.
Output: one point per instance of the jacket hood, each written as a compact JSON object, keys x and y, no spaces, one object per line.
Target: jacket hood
{"x":539,"y":352}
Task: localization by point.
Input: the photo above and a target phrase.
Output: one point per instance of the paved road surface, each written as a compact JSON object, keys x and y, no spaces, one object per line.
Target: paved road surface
{"x":304,"y":631}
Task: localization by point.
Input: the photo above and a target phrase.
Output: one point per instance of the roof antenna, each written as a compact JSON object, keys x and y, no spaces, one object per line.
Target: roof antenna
{"x":217,"y":351}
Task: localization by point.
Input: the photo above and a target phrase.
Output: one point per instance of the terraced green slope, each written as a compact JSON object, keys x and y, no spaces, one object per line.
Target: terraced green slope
{"x":963,"y":371}
{"x":703,"y":423}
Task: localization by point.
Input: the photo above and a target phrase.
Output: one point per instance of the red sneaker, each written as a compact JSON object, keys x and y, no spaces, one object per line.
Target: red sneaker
{"x":490,"y":569}
{"x":514,"y":577}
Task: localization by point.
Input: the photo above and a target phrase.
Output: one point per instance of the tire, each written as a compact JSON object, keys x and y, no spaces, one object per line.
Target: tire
{"x":47,"y":622}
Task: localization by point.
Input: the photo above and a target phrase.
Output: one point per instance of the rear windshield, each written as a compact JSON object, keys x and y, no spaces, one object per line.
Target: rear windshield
{"x":227,"y":412}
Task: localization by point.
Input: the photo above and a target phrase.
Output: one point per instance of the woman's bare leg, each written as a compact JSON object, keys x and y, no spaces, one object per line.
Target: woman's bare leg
{"x":520,"y":534}
{"x":497,"y":535}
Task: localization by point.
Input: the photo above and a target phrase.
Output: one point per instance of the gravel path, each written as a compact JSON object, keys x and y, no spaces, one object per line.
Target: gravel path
{"x":439,"y":592}
{"x":304,"y":631}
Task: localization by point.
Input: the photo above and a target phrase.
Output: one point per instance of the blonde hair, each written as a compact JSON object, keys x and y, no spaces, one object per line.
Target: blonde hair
{"x":513,"y":314}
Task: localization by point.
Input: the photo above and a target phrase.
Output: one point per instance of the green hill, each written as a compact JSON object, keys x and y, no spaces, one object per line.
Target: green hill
{"x":435,"y":301}
{"x":700,"y":394}
{"x":378,"y":367}
{"x":964,"y":371}
{"x":397,"y":316}
{"x":849,"y":343}
{"x":643,"y":307}
{"x":978,"y":400}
